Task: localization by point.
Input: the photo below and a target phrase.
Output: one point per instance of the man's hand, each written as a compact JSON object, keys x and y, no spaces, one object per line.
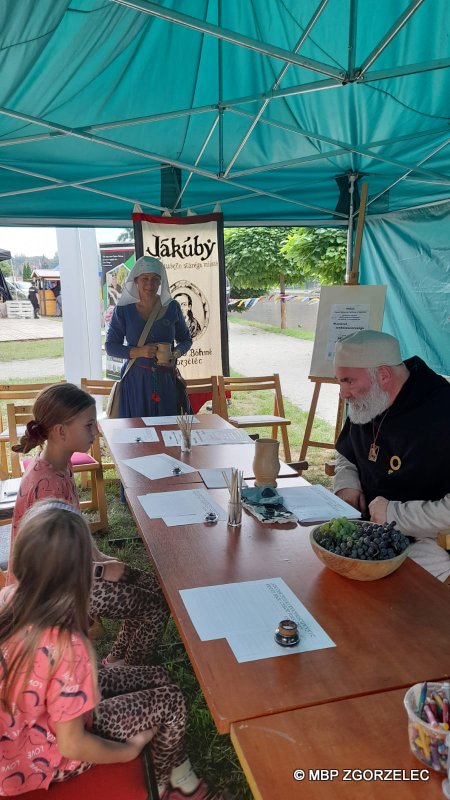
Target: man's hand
{"x":378,"y":510}
{"x":354,"y":497}
{"x":113,"y":570}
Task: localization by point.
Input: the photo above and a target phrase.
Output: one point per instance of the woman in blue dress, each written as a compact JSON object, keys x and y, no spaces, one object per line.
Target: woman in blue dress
{"x":148,"y":389}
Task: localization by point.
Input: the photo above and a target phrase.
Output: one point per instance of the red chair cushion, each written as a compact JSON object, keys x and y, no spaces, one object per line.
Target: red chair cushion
{"x":102,"y":782}
{"x":77,"y":460}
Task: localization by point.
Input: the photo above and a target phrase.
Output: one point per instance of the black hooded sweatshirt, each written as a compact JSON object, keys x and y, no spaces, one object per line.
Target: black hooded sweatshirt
{"x":414,"y":441}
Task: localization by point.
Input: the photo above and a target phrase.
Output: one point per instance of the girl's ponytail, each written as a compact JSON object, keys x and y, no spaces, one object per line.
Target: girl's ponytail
{"x":35,"y":434}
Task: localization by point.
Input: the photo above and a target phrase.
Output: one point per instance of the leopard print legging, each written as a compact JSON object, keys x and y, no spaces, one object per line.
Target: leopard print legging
{"x":138,"y":600}
{"x":136,"y":699}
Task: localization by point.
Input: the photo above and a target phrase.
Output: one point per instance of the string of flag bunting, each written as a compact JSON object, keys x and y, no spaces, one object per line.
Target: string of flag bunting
{"x":249,"y":302}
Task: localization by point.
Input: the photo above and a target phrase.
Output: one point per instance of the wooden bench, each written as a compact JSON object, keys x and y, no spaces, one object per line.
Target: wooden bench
{"x":129,"y":781}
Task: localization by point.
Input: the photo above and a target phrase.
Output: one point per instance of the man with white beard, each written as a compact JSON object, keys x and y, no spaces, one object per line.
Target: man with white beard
{"x":394,"y":448}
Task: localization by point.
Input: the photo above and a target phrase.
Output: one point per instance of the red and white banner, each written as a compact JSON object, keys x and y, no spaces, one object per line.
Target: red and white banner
{"x":191,"y":249}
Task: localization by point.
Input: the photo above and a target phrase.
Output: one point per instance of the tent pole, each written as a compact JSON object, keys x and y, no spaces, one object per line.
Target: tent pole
{"x":353,"y":275}
{"x":233,"y":37}
{"x":78,"y":257}
{"x":351,"y":189}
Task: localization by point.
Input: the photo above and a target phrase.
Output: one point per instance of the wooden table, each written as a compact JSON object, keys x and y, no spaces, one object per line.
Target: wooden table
{"x":201,"y":457}
{"x":364,"y":733}
{"x":389,"y":633}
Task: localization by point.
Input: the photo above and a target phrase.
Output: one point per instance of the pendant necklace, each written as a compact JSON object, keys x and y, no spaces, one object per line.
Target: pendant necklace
{"x":374,"y":448}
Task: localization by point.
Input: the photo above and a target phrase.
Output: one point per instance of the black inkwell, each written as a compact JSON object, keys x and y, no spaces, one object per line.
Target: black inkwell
{"x":286,"y":634}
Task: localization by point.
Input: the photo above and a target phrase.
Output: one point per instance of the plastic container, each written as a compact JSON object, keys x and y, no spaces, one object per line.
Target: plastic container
{"x":429,"y":744}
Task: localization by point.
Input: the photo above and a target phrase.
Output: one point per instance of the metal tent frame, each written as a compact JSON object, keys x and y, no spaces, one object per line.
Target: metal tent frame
{"x":223,"y":162}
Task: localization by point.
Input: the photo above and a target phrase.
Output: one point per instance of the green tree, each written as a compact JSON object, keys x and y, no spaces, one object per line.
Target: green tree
{"x":318,"y":253}
{"x":26,"y":274}
{"x":5,"y":267}
{"x":253,"y":259}
{"x":127,"y":235}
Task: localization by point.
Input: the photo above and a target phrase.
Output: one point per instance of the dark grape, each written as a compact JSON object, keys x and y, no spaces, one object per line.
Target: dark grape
{"x":363,"y":540}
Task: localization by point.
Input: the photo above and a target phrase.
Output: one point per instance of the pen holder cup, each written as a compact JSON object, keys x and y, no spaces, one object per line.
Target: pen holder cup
{"x":234,"y":514}
{"x":428,"y":743}
{"x":186,"y":443}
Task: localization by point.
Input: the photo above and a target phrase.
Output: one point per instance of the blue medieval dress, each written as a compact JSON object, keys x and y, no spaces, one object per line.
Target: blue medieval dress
{"x":147,"y":390}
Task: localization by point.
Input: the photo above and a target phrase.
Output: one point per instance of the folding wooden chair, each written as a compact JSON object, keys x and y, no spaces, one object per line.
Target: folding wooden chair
{"x":10,"y":392}
{"x":256,"y":384}
{"x":89,"y":463}
{"x":99,"y":387}
{"x":206,"y":386}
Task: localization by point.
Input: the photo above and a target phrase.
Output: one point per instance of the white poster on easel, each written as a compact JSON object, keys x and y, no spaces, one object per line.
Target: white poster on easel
{"x":344,"y":310}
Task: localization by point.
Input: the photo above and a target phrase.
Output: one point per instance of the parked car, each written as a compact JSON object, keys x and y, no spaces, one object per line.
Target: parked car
{"x":18,"y":289}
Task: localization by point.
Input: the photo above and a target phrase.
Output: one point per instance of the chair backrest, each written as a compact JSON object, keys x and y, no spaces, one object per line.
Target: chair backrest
{"x":22,"y":391}
{"x":17,"y":415}
{"x":250,"y":384}
{"x":97,"y":386}
{"x":205,"y":386}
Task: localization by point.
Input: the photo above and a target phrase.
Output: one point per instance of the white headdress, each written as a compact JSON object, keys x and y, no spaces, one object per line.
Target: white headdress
{"x":367,"y":349}
{"x":130,"y":293}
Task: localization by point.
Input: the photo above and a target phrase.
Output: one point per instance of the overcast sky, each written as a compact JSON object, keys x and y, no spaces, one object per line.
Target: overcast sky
{"x":42,"y":241}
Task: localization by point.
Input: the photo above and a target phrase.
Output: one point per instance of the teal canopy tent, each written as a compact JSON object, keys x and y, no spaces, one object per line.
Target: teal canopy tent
{"x":270,"y":109}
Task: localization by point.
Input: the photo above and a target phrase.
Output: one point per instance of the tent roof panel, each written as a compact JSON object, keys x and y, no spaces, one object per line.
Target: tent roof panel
{"x":242,"y":86}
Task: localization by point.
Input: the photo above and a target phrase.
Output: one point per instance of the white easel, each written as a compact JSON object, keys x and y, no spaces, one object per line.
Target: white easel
{"x":351,"y":279}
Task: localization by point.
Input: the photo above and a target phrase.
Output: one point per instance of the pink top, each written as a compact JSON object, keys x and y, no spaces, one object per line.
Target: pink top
{"x":41,"y":481}
{"x":29,"y":755}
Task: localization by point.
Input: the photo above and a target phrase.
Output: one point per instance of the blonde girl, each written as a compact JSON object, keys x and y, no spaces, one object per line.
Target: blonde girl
{"x":64,"y":422}
{"x":57,"y":717}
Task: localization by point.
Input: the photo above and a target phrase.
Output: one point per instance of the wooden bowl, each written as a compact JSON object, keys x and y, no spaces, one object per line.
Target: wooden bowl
{"x":356,"y":568}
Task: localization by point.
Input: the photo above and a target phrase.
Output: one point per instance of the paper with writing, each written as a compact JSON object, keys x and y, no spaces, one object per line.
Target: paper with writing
{"x":207,"y":436}
{"x":131,"y":435}
{"x":159,"y":466}
{"x":316,"y":504}
{"x":181,"y":506}
{"x":247,"y":615}
{"x":168,"y":420}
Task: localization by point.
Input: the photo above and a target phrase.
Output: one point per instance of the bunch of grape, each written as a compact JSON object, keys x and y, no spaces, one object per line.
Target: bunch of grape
{"x":366,"y":541}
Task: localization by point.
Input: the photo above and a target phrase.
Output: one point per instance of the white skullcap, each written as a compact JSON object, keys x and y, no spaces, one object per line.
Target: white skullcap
{"x":145,"y":264}
{"x":367,"y":349}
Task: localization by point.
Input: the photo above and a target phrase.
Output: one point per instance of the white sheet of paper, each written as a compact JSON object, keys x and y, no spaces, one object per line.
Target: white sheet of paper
{"x":316,"y":504}
{"x":130,"y":435}
{"x":180,"y":505}
{"x":169,"y":420}
{"x":232,"y":610}
{"x":207,"y":436}
{"x":213,"y":478}
{"x":9,"y":490}
{"x":159,"y":466}
{"x":5,"y":539}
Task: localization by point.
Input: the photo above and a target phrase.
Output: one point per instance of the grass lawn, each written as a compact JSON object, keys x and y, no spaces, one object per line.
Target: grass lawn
{"x":212,"y":755}
{"x":263,"y":326}
{"x":33,"y":348}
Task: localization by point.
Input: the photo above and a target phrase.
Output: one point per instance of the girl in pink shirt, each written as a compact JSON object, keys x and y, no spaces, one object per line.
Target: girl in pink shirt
{"x":65,"y":422}
{"x":57,"y":717}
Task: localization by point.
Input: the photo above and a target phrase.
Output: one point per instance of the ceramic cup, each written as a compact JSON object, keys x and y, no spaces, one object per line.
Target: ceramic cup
{"x":163,"y":352}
